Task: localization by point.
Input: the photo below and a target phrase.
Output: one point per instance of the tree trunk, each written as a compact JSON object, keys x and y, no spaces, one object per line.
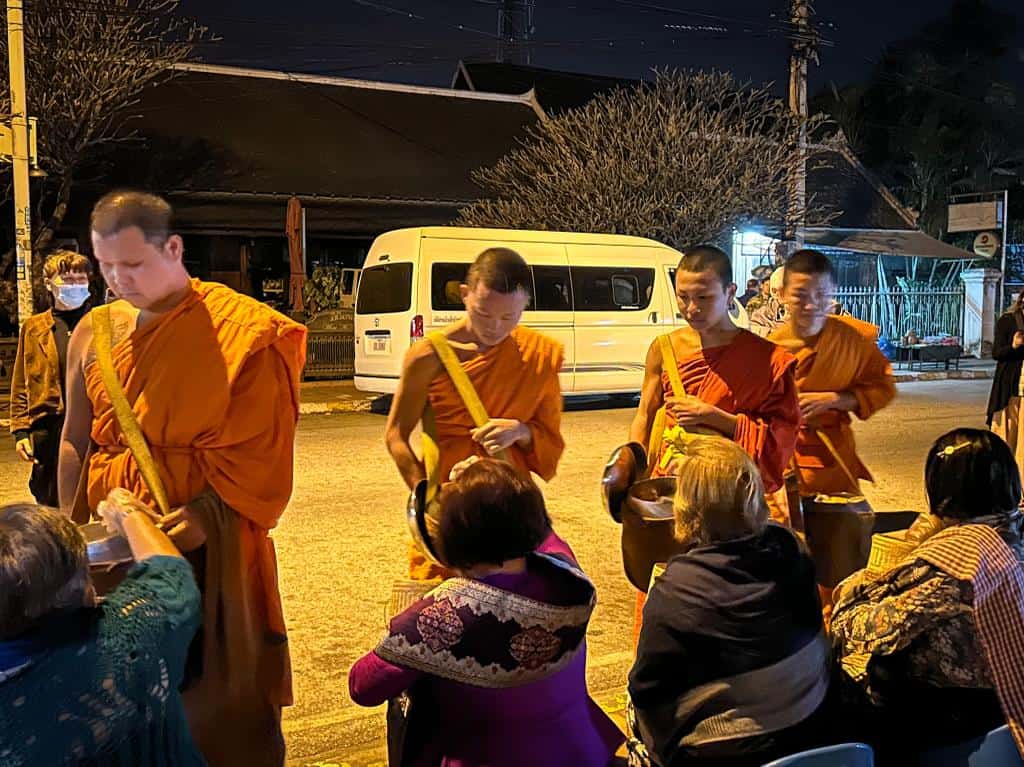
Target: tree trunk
{"x":46,"y":235}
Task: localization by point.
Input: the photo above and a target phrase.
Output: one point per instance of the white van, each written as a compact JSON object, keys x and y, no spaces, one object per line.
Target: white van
{"x":605,"y":297}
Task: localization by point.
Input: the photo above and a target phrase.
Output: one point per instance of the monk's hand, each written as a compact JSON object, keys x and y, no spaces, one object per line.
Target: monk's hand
{"x":184,"y":529}
{"x":816,"y":403}
{"x":501,"y":433}
{"x":461,"y":466}
{"x":689,"y":411}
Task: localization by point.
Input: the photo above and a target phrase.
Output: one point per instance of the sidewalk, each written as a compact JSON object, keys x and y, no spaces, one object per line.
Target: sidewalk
{"x":970,"y":369}
{"x":325,"y":397}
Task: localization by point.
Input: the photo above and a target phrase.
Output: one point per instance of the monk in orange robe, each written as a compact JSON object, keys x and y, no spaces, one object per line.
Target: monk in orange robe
{"x":736,"y":384}
{"x":212,"y":379}
{"x":839,"y":370}
{"x":513,"y":369}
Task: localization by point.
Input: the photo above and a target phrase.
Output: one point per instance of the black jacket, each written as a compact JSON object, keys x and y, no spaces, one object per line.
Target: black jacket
{"x":1008,"y":363}
{"x":720,"y":610}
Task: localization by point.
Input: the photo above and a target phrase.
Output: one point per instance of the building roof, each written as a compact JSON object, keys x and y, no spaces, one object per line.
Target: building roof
{"x":230,"y":146}
{"x":555,"y":90}
{"x":220,"y":136}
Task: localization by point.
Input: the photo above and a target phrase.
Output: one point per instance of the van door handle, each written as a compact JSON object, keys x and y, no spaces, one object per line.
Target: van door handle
{"x":653,"y":318}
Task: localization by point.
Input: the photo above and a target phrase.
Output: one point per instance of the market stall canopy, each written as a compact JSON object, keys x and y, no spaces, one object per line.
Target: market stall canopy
{"x":886,"y":242}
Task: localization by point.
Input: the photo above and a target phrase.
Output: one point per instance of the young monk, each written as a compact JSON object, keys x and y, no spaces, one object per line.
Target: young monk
{"x":514,"y":371}
{"x":735,"y":383}
{"x":839,"y":370}
{"x":212,"y":379}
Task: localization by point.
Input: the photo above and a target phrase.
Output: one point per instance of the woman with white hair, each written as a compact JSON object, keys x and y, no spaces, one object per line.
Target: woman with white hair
{"x":732,"y":663}
{"x":87,"y":683}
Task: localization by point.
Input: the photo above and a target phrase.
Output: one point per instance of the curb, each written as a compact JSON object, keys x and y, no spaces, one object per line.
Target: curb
{"x":329,"y":408}
{"x":944,"y":375}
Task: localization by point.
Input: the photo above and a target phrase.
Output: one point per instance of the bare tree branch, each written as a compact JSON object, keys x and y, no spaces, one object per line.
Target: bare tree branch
{"x":684,"y":159}
{"x":86,"y":63}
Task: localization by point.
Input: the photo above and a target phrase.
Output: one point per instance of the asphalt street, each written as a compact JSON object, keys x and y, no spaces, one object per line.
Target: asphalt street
{"x":342,"y":542}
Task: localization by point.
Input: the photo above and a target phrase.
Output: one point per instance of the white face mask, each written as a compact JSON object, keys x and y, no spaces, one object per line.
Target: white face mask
{"x":72,"y":296}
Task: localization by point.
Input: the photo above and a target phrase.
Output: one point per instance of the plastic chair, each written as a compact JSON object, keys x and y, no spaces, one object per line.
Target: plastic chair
{"x":843,"y":755}
{"x":996,"y":749}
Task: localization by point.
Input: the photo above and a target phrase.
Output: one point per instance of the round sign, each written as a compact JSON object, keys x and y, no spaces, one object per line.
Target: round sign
{"x":986,"y":244}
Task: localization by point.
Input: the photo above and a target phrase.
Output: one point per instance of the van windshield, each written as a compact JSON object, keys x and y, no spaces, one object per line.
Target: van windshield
{"x":385,"y":289}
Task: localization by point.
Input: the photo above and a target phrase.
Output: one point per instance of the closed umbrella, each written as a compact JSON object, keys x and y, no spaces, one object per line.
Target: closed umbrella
{"x":295,"y":228}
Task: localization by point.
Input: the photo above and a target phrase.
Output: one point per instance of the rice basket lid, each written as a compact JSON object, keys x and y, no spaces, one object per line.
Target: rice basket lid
{"x":887,"y":550}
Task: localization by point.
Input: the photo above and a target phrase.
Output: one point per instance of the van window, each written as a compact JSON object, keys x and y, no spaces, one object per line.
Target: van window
{"x":609,"y":289}
{"x":385,"y":288}
{"x":445,"y":280}
{"x":552,"y":289}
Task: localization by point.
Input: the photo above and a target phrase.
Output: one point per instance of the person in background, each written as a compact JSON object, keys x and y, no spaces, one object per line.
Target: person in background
{"x":1004,"y":401}
{"x":492,"y":662}
{"x":752,"y":288}
{"x":764,"y":291}
{"x":38,"y":379}
{"x":772,"y":313}
{"x":928,"y":647}
{"x":732,"y":666}
{"x":85,"y":682}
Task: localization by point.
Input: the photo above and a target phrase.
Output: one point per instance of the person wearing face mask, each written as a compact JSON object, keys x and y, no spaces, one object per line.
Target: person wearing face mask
{"x":513,"y":369}
{"x":38,"y":380}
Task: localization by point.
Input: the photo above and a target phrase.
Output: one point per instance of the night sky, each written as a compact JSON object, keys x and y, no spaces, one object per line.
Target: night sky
{"x":380,"y":40}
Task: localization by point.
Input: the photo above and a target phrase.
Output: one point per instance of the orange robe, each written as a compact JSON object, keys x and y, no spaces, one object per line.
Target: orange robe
{"x":843,"y":358}
{"x":214,"y":384}
{"x":517,"y":379}
{"x":753,"y":380}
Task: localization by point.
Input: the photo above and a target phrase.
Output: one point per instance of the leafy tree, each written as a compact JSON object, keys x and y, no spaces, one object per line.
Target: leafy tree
{"x":936,"y":115}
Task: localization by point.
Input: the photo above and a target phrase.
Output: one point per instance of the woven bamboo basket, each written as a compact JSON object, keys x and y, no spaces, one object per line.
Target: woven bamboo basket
{"x":887,"y":550}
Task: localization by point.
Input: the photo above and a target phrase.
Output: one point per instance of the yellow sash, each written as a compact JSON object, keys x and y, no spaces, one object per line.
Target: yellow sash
{"x":103,"y":344}
{"x":476,"y":409}
{"x":670,"y":366}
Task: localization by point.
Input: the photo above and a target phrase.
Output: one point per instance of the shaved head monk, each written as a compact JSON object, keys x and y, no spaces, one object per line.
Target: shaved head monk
{"x":513,"y":369}
{"x":733,"y":383}
{"x":211,"y":378}
{"x":839,"y":371}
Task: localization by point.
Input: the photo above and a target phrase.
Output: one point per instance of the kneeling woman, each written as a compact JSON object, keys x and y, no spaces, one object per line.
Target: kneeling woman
{"x":929,"y":649}
{"x":732,"y":663}
{"x":494,"y":660}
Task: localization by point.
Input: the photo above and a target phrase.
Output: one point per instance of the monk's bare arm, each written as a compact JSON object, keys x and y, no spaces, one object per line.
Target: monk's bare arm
{"x":651,"y":397}
{"x":74,"y":440}
{"x":419,"y":368}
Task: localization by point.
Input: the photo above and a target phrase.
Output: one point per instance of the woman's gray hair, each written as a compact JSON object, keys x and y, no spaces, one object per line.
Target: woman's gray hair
{"x":719,"y":494}
{"x":43,"y":566}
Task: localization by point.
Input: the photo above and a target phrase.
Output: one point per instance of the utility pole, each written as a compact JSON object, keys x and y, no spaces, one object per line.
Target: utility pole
{"x":803,"y":48}
{"x":20,"y":157}
{"x":515,"y":27}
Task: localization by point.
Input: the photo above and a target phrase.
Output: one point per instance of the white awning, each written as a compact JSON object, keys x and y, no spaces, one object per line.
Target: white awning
{"x":886,"y":242}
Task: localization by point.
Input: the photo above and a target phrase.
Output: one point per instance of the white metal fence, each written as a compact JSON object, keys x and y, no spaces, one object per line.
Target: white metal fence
{"x":897,"y":311}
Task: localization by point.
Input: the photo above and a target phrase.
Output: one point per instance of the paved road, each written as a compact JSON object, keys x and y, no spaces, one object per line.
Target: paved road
{"x":342,"y":543}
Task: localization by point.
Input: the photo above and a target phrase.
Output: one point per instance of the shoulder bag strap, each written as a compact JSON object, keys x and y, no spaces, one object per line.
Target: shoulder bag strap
{"x":103,"y":343}
{"x":463,"y":385}
{"x":670,"y":366}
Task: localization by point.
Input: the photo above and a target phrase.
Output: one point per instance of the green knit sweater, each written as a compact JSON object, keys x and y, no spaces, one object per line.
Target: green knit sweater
{"x":100,"y":687}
